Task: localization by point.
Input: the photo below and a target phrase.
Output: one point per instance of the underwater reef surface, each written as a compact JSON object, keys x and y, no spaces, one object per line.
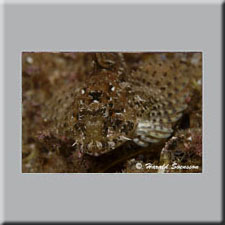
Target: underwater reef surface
{"x":112,"y":112}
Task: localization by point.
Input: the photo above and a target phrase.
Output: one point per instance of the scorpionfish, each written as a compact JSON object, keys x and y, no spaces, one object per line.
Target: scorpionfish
{"x":116,"y":104}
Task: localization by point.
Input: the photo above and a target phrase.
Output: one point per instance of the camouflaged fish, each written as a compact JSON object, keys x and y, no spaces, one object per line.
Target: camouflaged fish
{"x":115,"y":105}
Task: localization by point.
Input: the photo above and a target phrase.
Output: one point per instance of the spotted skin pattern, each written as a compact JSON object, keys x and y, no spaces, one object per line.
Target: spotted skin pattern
{"x":114,"y":106}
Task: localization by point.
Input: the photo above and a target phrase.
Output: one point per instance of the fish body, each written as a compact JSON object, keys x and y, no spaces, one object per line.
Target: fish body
{"x":113,"y":106}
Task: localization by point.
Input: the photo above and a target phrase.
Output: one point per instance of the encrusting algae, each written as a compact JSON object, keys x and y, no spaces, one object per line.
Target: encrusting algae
{"x":118,"y":101}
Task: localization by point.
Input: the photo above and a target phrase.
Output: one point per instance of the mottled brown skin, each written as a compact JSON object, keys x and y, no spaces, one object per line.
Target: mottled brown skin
{"x":96,"y":115}
{"x":114,"y":105}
